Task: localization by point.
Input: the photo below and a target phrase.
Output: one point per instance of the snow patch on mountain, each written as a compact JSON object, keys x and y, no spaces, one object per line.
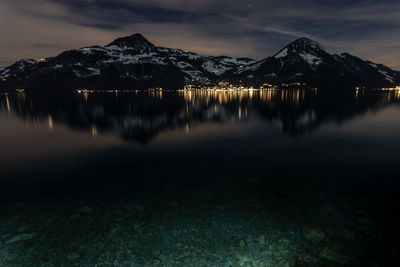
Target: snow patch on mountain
{"x":387,"y":76}
{"x":29,"y":61}
{"x":94,"y":71}
{"x":283,"y":53}
{"x":116,"y":48}
{"x":249,"y":67}
{"x":196,"y":76}
{"x":5,"y":73}
{"x":296,"y":75}
{"x":213,"y":67}
{"x":237,"y":61}
{"x":150,"y":58}
{"x":181,"y":53}
{"x":311,"y":59}
{"x":183,"y":65}
{"x":84,"y":73}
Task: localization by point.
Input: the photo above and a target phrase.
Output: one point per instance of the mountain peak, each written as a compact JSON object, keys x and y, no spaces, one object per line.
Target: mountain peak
{"x":136,"y":40}
{"x":302,"y":45}
{"x":305,"y":40}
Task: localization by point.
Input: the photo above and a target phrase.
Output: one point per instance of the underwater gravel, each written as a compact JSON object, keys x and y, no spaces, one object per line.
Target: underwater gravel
{"x":252,"y":224}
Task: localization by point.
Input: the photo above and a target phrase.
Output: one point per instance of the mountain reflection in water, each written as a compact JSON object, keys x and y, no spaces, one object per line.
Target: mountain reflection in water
{"x":141,"y":115}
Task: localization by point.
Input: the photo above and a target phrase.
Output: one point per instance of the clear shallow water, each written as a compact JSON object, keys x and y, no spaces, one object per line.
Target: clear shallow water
{"x":280,"y":178}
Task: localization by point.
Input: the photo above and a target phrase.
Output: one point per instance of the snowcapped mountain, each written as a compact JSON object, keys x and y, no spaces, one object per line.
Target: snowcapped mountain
{"x":128,"y":62}
{"x":306,"y":61}
{"x":135,"y":63}
{"x":16,"y":68}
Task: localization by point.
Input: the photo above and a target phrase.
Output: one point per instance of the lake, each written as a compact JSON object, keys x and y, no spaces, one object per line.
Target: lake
{"x":200,"y":178}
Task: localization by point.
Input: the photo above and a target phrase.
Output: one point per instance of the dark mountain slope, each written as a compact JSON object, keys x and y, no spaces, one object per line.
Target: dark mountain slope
{"x":135,"y":63}
{"x":306,"y":61}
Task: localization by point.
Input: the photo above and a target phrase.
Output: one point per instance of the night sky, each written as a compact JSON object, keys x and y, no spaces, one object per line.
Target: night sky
{"x":256,"y":29}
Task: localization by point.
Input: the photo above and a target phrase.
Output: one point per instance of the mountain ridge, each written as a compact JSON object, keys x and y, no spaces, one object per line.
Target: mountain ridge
{"x":134,"y":62}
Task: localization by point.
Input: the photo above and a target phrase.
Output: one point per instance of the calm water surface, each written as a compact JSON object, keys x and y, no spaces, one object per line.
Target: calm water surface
{"x":259,"y":169}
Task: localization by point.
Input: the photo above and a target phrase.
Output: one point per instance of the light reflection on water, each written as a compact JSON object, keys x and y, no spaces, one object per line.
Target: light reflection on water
{"x":226,"y":96}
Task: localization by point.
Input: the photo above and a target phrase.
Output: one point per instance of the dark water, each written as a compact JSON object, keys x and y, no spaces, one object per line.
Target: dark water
{"x":194,"y":178}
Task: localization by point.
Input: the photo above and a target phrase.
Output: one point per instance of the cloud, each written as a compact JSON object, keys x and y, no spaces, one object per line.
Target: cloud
{"x":187,"y":37}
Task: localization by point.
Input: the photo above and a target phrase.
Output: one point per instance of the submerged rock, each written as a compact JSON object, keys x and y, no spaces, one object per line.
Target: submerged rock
{"x":348,"y":234}
{"x":261,"y":240}
{"x":313,"y":234}
{"x":85,"y":209}
{"x":21,"y":237}
{"x":364,"y":220}
{"x":333,"y":255}
{"x":73,"y":256}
